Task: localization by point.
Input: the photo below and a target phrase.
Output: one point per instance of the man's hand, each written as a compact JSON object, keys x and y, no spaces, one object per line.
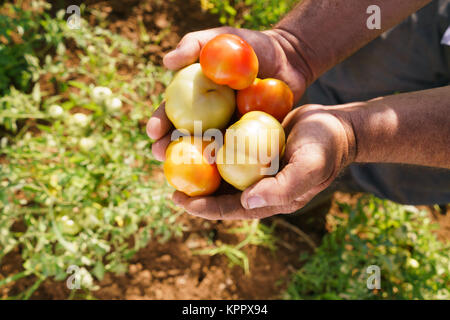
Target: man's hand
{"x":320,"y":143}
{"x":273,"y":63}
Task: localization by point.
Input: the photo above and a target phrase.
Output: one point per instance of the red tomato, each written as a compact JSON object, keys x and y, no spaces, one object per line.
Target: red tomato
{"x":187,"y":168}
{"x":229,"y":60}
{"x":272,"y":96}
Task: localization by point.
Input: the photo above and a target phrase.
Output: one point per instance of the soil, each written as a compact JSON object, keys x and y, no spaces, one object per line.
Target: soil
{"x":171,"y":270}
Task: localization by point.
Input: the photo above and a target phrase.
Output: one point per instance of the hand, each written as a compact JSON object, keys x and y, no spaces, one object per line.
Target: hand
{"x":320,"y":144}
{"x":270,"y":47}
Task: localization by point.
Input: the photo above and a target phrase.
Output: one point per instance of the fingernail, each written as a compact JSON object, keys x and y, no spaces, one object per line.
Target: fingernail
{"x":175,"y":198}
{"x":255,"y":202}
{"x":167,"y":59}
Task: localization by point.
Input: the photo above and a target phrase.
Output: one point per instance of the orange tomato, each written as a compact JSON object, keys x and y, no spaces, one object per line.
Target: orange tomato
{"x":272,"y":96}
{"x":229,"y":60}
{"x":188,"y":169}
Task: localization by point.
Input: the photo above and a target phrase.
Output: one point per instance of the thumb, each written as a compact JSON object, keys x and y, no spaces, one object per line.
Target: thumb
{"x":296,"y":179}
{"x":188,"y":50}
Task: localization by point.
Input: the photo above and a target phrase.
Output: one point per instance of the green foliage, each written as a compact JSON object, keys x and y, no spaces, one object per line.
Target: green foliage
{"x":77,"y":179}
{"x":398,"y":239}
{"x":252,"y":14}
{"x":79,"y":186}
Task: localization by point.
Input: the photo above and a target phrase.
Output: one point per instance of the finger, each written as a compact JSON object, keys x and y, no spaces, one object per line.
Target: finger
{"x":158,"y":124}
{"x":188,"y":50}
{"x":296,"y":179}
{"x":159,"y":147}
{"x":227,"y":207}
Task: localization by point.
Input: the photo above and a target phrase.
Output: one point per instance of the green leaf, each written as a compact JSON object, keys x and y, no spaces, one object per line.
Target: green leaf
{"x":99,"y":270}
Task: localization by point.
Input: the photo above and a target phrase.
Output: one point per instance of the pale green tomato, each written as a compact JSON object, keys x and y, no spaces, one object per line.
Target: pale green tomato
{"x":191,"y":96}
{"x":68,"y":226}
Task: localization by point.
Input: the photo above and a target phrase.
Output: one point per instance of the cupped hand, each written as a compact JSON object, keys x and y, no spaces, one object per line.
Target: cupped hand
{"x":273,"y":63}
{"x":320,"y":144}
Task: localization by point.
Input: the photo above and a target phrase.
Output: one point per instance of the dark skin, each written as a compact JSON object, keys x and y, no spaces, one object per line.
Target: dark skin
{"x":408,"y":128}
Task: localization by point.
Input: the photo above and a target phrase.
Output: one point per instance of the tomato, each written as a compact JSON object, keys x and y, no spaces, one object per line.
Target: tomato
{"x":68,"y":226}
{"x":188,"y":169}
{"x":229,"y":60}
{"x":193,"y":97}
{"x":269,"y":95}
{"x":251,"y":149}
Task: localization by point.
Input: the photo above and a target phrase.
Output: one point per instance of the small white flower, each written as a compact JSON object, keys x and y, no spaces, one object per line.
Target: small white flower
{"x":86,"y":279}
{"x":72,"y":141}
{"x":129,"y":161}
{"x":81,"y":119}
{"x":100,"y":94}
{"x":413,"y":263}
{"x":113,"y":105}
{"x":20,"y":30}
{"x":3,"y":142}
{"x":55,"y":111}
{"x":86,"y":144}
{"x":51,"y":142}
{"x":91,"y":49}
{"x":141,"y":144}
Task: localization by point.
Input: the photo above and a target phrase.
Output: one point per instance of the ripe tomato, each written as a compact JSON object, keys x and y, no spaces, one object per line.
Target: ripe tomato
{"x":251,"y":149}
{"x":269,"y":95}
{"x":188,"y":169}
{"x":229,"y":60}
{"x":192,"y":97}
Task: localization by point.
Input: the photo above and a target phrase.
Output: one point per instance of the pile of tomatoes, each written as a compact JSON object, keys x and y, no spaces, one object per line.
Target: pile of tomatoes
{"x":201,"y":102}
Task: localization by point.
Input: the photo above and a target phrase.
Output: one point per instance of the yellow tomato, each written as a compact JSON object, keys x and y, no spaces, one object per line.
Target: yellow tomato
{"x":251,"y":149}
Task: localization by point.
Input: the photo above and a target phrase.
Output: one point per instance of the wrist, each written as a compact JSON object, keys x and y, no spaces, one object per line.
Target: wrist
{"x":350,"y":142}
